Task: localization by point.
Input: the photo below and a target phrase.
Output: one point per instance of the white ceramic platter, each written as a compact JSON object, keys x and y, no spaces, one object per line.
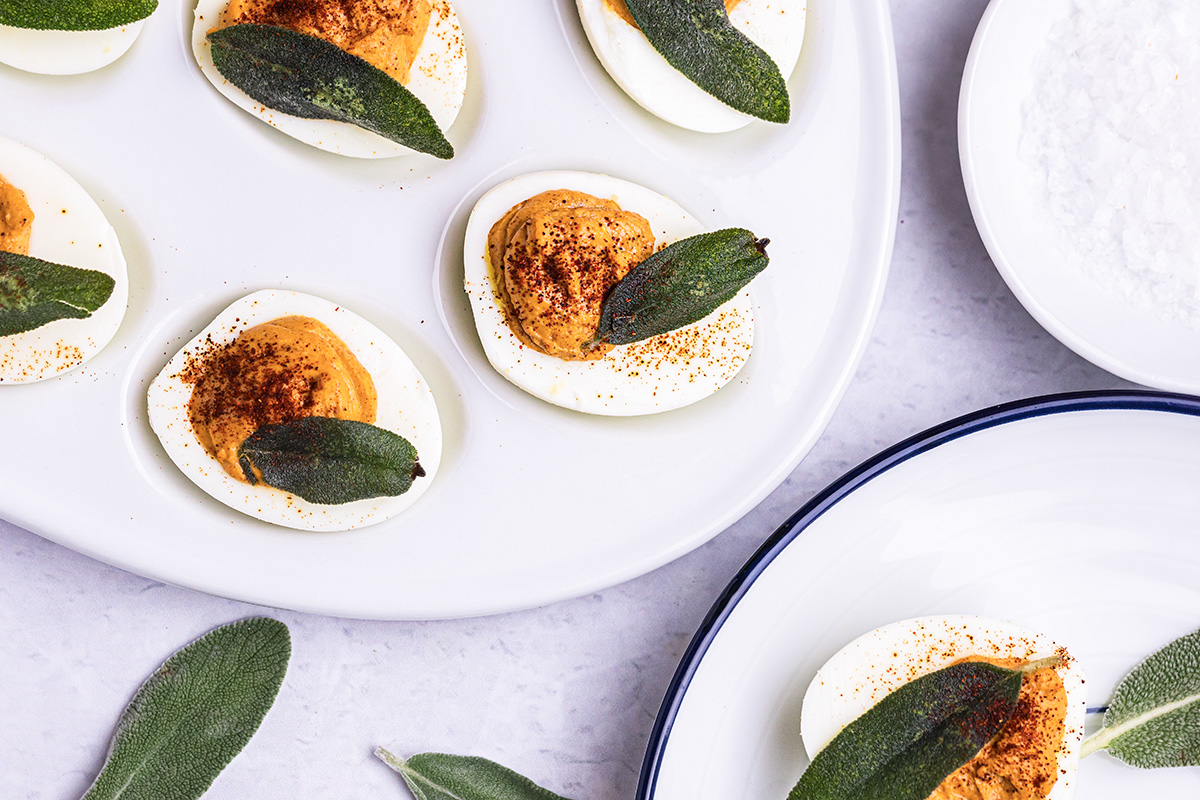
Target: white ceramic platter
{"x":1075,"y":516}
{"x":1095,"y":322}
{"x":532,"y":503}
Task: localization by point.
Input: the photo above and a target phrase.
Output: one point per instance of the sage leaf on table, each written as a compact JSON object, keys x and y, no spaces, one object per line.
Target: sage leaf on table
{"x":911,"y":740}
{"x":330,"y":461}
{"x":437,"y":776}
{"x":680,"y":284}
{"x":195,"y":713}
{"x":308,"y":77}
{"x":34,"y":292}
{"x":1154,"y":717}
{"x":697,"y":38}
{"x":74,"y":15}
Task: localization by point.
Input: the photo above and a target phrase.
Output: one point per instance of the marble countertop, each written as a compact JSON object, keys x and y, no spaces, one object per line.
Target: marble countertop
{"x":565,"y":694}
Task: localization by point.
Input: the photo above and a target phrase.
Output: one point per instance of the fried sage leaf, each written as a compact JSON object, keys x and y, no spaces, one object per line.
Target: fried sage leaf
{"x":697,"y":38}
{"x":1154,"y":717}
{"x":330,"y":461}
{"x":308,"y":77}
{"x":74,"y":15}
{"x":195,"y":713}
{"x":680,"y":284}
{"x":34,"y":293}
{"x":910,"y":741}
{"x":436,"y":776}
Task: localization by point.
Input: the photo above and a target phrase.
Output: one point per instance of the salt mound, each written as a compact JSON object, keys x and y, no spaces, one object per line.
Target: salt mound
{"x":1112,"y":133}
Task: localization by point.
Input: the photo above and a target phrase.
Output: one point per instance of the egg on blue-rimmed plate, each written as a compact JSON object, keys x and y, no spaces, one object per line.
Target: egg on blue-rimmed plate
{"x":609,"y":215}
{"x":47,"y":215}
{"x":1038,"y":749}
{"x":279,"y":356}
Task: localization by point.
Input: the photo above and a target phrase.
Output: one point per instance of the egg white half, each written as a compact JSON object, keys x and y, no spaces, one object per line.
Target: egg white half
{"x":777,"y":26}
{"x":438,"y":78}
{"x":631,"y":379}
{"x":877,"y":663}
{"x":406,"y":407}
{"x":65,"y":52}
{"x":68,"y":228}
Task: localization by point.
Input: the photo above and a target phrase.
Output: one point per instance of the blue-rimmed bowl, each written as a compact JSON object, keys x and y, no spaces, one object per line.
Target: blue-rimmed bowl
{"x":1075,"y":515}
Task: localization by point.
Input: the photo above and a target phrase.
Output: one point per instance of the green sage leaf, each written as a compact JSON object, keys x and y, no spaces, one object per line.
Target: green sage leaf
{"x":697,"y":38}
{"x":910,"y":741}
{"x":74,"y":15}
{"x":681,"y":284}
{"x":34,"y":293}
{"x":308,"y":77}
{"x":1154,"y":717}
{"x":330,"y":461}
{"x":436,"y":776}
{"x":195,"y":713}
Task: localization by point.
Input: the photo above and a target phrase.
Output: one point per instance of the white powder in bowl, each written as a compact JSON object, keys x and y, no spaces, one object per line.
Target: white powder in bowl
{"x":1113,"y":136}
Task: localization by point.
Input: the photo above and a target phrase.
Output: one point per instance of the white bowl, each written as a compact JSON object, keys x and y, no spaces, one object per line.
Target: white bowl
{"x":1096,"y":323}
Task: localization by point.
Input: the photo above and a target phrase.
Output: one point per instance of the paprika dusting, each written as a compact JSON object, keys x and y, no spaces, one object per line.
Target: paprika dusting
{"x":279,"y":371}
{"x":554,"y":258}
{"x":1021,"y":763}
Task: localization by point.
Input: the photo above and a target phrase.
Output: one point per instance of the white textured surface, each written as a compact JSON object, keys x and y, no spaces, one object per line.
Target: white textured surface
{"x":566,"y":694}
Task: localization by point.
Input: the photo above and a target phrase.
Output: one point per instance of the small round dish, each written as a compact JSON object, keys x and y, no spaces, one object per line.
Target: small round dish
{"x":1071,"y":515}
{"x":1108,"y":330}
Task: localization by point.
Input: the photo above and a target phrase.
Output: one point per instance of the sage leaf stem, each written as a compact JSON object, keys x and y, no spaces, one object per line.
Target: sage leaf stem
{"x":1154,"y":717}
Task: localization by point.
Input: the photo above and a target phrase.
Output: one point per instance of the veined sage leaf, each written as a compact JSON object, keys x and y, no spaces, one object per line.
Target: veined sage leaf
{"x":195,"y":713}
{"x":74,"y":15}
{"x":697,"y":38}
{"x":1154,"y":717}
{"x":35,"y":292}
{"x":436,"y":776}
{"x":910,"y":741}
{"x":308,"y":77}
{"x":330,"y":461}
{"x":681,"y":284}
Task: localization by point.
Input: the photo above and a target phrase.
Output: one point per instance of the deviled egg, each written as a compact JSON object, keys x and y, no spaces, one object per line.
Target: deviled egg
{"x":46,"y":214}
{"x":1037,"y":751}
{"x":81,"y":48}
{"x":274,"y":358}
{"x":777,"y":26}
{"x":419,"y":43}
{"x":536,"y":336}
